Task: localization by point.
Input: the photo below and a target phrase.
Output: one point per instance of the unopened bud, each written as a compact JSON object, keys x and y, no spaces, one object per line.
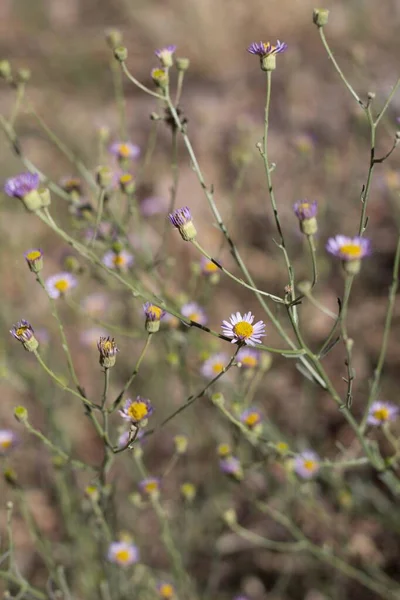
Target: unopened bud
{"x":114,"y":38}
{"x":230,"y":516}
{"x":45,"y":196}
{"x":182,"y":64}
{"x":320,"y":16}
{"x":21,"y":414}
{"x":5,"y":69}
{"x":104,"y":176}
{"x":23,"y":75}
{"x":121,"y":53}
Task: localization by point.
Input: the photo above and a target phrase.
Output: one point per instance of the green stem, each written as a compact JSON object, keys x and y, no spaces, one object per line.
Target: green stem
{"x":65,"y":346}
{"x":388,"y":101}
{"x":338,"y":69}
{"x":385,"y":340}
{"x":100,"y":208}
{"x":311,"y":245}
{"x":135,"y":371}
{"x":138,"y":84}
{"x":240,"y":281}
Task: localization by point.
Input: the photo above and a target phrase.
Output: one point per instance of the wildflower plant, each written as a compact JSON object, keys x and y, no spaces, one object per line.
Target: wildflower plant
{"x":242,"y":375}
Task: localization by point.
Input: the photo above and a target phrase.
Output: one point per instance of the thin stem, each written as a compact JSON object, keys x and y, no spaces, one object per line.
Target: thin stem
{"x":119,"y":99}
{"x":388,"y":101}
{"x":366,"y":190}
{"x":326,"y":555}
{"x":240,"y":281}
{"x":192,"y":399}
{"x":338,"y":69}
{"x":135,"y":371}
{"x":138,"y":84}
{"x":311,"y":245}
{"x":86,"y":402}
{"x":348,"y":343}
{"x":100,"y":208}
{"x":385,"y":340}
{"x":65,"y":346}
{"x":179,"y":87}
{"x":105,"y":389}
{"x":268,"y":172}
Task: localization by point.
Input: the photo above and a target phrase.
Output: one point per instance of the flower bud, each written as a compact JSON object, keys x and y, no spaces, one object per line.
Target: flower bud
{"x":5,"y":70}
{"x":23,"y":75}
{"x":104,"y":177}
{"x":320,"y":16}
{"x":24,"y":333}
{"x":121,"y":53}
{"x":181,"y":218}
{"x":182,"y":64}
{"x":160,"y":78}
{"x":218,"y":399}
{"x":21,"y":414}
{"x":45,"y":196}
{"x":34,"y":259}
{"x":230,"y":516}
{"x":188,"y":491}
{"x":114,"y":38}
{"x":181,"y":444}
{"x":108,"y":352}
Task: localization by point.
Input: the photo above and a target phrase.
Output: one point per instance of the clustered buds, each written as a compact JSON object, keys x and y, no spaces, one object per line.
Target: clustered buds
{"x":108,"y":352}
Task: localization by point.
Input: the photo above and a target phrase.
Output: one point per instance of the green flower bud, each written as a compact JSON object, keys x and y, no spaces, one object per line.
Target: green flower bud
{"x":114,"y":38}
{"x":5,"y":70}
{"x":45,"y":196}
{"x":121,"y":53}
{"x":104,"y":176}
{"x":320,"y":16}
{"x":230,"y":516}
{"x":21,"y":414}
{"x":182,"y":64}
{"x":23,"y":75}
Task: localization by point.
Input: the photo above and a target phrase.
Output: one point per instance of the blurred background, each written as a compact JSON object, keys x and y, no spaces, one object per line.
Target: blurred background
{"x":319,"y":140}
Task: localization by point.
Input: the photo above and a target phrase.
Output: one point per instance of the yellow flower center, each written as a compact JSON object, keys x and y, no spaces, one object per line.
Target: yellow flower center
{"x":217,"y":367}
{"x":382,"y":414}
{"x":127,"y":178}
{"x":282,"y":447}
{"x":62,"y":285}
{"x":119,"y":260}
{"x":309,"y":464}
{"x":252,"y":419}
{"x":124,"y":150}
{"x":123,"y":555}
{"x":304,"y":206}
{"x":21,"y":330}
{"x":137,"y":411}
{"x":34,"y":255}
{"x":249,"y":361}
{"x":195,"y":316}
{"x":156,"y":310}
{"x":107,"y":346}
{"x":151,"y":486}
{"x":243,"y":330}
{"x":166,"y":591}
{"x":210,"y":267}
{"x":6,"y":443}
{"x":351,"y":250}
{"x":158,"y":73}
{"x":224,"y":450}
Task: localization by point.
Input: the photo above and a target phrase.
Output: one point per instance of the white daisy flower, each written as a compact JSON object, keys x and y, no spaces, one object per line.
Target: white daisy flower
{"x":194,"y":312}
{"x":58,"y":285}
{"x":214,"y":365}
{"x":241,"y":329}
{"x":121,"y":260}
